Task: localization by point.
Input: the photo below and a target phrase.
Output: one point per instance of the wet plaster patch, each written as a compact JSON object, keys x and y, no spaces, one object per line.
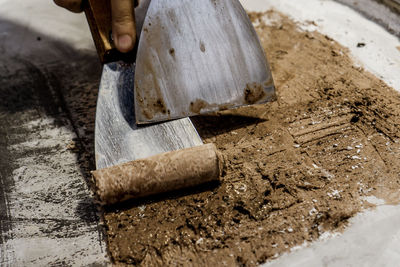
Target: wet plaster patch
{"x":378,"y":11}
{"x":298,"y":169}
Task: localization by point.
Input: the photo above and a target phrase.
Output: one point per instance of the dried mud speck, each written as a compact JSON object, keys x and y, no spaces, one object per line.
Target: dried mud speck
{"x":295,"y":168}
{"x":253,"y":93}
{"x":197,"y":106}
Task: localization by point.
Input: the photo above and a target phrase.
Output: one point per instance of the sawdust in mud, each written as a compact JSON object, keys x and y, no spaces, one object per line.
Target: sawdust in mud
{"x":297,"y":167}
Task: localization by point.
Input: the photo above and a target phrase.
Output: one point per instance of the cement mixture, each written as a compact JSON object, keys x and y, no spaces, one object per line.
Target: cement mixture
{"x":297,"y":168}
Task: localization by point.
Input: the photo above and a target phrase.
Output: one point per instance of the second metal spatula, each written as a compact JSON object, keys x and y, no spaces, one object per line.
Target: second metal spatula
{"x":196,"y":57}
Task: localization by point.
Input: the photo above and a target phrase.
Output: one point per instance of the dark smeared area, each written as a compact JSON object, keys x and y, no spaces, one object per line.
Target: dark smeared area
{"x":40,"y":79}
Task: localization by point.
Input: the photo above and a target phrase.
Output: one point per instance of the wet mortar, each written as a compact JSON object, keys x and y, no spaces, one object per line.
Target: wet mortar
{"x":296,"y":168}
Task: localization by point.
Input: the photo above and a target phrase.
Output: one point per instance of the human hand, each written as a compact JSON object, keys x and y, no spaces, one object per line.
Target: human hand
{"x":123,"y":21}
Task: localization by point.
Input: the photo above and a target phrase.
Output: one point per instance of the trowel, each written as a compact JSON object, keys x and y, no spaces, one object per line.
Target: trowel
{"x":193,"y":57}
{"x":118,"y":138}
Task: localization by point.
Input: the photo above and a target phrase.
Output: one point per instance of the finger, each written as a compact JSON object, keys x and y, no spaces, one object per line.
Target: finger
{"x":71,"y":5}
{"x":123,"y":24}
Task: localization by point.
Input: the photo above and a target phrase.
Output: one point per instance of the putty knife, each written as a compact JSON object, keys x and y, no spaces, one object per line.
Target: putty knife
{"x":196,"y":57}
{"x":117,"y":137}
{"x":134,"y":162}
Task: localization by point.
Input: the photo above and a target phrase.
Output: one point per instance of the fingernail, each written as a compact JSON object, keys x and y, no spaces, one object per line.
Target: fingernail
{"x":124,"y":43}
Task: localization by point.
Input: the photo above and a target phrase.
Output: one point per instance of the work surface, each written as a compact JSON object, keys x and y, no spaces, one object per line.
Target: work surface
{"x":47,"y":104}
{"x":49,"y":78}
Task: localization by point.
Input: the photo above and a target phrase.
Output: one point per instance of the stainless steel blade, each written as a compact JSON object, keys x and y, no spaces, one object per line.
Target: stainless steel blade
{"x":198,"y":56}
{"x":117,"y":137}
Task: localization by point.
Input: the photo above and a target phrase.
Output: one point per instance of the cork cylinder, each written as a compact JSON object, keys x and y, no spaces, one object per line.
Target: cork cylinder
{"x":157,"y":174}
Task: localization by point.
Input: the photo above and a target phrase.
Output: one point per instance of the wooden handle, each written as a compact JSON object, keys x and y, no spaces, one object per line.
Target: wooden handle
{"x":98,"y":14}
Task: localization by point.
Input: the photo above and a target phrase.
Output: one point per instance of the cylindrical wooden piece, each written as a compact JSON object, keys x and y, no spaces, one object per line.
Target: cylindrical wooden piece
{"x":157,"y":174}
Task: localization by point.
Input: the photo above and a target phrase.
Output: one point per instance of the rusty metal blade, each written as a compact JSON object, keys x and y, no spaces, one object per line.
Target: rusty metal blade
{"x":196,"y":57}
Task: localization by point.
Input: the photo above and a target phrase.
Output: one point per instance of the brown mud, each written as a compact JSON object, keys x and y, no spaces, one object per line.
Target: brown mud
{"x":253,"y":93}
{"x":296,"y":168}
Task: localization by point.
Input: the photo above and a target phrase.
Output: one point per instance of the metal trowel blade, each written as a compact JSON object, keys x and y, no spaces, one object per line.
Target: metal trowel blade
{"x":196,"y":57}
{"x":117,"y":137}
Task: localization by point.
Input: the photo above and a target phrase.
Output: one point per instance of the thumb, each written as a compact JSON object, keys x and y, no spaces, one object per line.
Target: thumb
{"x":123,"y":24}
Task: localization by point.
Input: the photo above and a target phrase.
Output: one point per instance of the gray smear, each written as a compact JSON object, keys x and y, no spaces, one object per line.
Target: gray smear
{"x":378,"y":12}
{"x":47,"y":214}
